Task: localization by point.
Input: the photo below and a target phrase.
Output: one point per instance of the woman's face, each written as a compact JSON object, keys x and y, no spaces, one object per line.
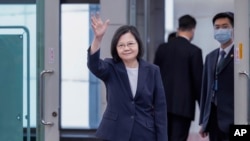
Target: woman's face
{"x":127,"y":47}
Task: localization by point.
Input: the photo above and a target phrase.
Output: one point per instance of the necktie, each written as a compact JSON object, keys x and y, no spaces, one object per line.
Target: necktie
{"x":222,"y":57}
{"x":218,"y":67}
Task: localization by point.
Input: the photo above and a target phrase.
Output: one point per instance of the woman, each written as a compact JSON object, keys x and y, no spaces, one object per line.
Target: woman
{"x":136,"y":106}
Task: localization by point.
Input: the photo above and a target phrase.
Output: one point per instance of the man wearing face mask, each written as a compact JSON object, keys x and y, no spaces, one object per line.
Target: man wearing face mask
{"x":217,"y":99}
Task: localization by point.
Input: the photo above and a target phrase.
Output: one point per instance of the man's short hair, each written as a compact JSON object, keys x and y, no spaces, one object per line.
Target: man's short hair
{"x":228,"y":15}
{"x":172,"y":35}
{"x":187,"y":22}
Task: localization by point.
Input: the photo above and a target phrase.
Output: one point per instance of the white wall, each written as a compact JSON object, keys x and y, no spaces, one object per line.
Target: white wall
{"x":203,"y":11}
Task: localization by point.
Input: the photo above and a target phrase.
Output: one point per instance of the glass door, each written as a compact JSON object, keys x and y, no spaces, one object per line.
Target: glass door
{"x":14,"y":87}
{"x":48,"y":33}
{"x":29,"y":61}
{"x":18,"y":70}
{"x":32,"y":48}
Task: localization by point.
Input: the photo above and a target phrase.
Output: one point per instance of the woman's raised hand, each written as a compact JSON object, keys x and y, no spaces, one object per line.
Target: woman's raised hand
{"x":99,"y":27}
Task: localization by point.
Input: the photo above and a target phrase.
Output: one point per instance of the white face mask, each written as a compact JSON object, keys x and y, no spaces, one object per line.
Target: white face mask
{"x":223,"y":35}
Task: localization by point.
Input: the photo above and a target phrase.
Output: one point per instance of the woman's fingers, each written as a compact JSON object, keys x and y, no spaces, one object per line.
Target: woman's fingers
{"x":99,"y":27}
{"x":97,"y":15}
{"x":96,"y":18}
{"x":106,"y":23}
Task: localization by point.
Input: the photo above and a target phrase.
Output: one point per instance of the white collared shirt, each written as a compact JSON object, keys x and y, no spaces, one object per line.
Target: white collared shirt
{"x":227,"y":50}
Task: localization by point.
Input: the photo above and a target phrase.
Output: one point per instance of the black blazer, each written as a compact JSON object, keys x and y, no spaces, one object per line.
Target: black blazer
{"x":125,"y":115}
{"x":225,"y":93}
{"x":181,"y":67}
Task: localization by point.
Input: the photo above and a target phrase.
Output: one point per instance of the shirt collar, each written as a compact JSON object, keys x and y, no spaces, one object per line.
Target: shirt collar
{"x":183,"y":36}
{"x":227,"y":49}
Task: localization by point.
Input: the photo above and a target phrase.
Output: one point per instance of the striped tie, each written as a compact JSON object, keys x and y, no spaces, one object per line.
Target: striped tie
{"x":222,"y":58}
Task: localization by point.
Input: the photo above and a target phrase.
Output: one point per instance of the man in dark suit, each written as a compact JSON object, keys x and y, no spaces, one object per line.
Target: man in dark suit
{"x":181,"y":67}
{"x":217,"y":100}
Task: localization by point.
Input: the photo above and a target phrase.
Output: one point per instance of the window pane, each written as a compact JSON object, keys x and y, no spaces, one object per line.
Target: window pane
{"x":75,"y":103}
{"x":24,"y":15}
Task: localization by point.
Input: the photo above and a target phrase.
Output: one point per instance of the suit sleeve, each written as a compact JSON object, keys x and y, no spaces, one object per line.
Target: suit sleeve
{"x":157,"y":58}
{"x":160,"y":109}
{"x":197,"y":68}
{"x":97,"y":66}
{"x":203,"y":93}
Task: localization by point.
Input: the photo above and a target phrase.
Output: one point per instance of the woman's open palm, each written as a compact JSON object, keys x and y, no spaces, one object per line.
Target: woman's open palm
{"x":99,"y":27}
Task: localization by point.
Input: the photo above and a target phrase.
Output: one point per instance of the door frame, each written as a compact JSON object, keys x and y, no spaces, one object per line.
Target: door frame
{"x":48,"y":53}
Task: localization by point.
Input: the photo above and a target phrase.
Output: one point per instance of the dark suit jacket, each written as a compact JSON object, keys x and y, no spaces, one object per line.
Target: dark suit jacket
{"x":225,"y":93}
{"x":143,"y":117}
{"x":181,"y":67}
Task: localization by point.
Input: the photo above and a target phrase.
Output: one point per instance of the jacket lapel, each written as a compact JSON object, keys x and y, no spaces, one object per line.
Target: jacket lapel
{"x":124,"y":78}
{"x":214,"y":59}
{"x":142,"y":75}
{"x":228,"y":59}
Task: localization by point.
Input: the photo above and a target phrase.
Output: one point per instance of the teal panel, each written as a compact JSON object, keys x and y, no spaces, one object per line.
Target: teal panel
{"x":11,"y":87}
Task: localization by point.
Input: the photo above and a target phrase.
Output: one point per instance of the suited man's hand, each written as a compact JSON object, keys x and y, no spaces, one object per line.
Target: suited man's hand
{"x":202,"y":133}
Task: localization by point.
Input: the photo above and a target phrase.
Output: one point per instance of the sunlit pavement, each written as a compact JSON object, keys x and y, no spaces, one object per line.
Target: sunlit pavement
{"x":196,"y":137}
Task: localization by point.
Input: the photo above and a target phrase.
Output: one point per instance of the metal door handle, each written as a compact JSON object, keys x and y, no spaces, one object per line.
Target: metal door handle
{"x":244,"y":73}
{"x":42,"y":97}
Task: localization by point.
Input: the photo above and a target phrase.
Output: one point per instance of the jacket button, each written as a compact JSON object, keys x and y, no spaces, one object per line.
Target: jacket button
{"x":132,"y":117}
{"x":132,"y":102}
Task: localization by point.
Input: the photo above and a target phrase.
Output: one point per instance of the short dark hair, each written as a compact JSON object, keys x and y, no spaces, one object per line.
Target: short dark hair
{"x":228,"y":15}
{"x":187,"y":22}
{"x":172,"y":35}
{"x":121,"y":31}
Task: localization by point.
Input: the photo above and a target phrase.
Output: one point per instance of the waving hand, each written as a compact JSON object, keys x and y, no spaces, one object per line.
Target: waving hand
{"x":99,"y":28}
